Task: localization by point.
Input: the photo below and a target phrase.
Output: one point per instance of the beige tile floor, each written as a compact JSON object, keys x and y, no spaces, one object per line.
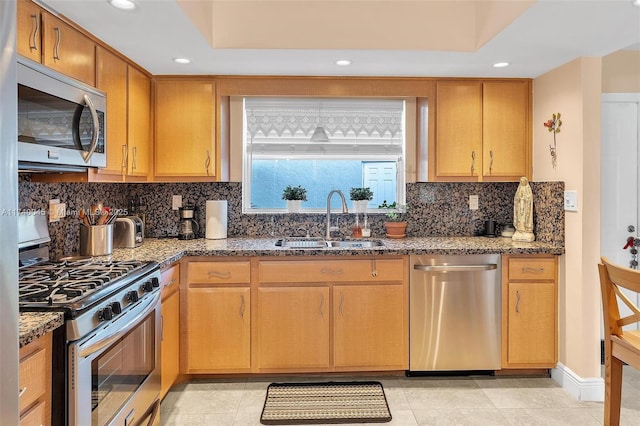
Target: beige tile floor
{"x":413,"y":401}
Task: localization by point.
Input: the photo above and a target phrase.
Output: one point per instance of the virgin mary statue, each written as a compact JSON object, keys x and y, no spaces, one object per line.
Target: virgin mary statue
{"x":523,"y":212}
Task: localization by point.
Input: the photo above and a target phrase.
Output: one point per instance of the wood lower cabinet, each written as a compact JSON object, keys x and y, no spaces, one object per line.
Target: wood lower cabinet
{"x":368,"y":327}
{"x":67,"y":50}
{"x":170,"y":343}
{"x":29,"y":30}
{"x":217,"y":317}
{"x":35,"y":382}
{"x":529,"y":311}
{"x":185,"y":143}
{"x":293,"y":328}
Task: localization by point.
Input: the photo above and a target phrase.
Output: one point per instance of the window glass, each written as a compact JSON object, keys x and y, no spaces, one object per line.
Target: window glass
{"x":363,"y":146}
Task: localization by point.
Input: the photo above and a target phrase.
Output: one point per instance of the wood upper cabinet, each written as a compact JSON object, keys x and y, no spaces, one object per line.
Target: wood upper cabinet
{"x":293,"y":328}
{"x":35,"y":382}
{"x":529,"y":311}
{"x":483,"y":130}
{"x":29,"y":30}
{"x":185,"y":146}
{"x":139,"y":122}
{"x":368,"y":327}
{"x":170,"y":340}
{"x":217,"y":317}
{"x":67,"y":50}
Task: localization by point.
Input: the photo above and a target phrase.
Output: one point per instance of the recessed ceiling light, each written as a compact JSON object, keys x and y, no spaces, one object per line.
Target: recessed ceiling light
{"x":501,"y":64}
{"x":345,"y":62}
{"x":636,"y":2}
{"x":182,"y":60}
{"x":123,"y":4}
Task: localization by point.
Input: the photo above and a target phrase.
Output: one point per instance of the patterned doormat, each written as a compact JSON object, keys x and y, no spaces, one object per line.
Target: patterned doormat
{"x":327,"y":402}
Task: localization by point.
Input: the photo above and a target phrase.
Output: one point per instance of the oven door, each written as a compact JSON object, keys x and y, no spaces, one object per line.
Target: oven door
{"x":114,"y":374}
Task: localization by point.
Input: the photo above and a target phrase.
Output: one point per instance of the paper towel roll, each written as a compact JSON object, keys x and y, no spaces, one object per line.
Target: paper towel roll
{"x":216,"y":220}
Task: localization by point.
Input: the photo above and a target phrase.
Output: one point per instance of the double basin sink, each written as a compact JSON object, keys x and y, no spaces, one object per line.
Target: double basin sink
{"x":319,"y":243}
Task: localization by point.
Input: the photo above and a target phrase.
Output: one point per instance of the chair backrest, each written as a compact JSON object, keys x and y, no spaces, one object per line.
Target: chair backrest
{"x":612,"y":278}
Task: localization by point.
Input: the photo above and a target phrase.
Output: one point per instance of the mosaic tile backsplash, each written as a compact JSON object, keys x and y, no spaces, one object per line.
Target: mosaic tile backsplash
{"x":435,"y":209}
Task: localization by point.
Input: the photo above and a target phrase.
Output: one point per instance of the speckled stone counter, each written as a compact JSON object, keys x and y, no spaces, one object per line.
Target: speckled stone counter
{"x":167,"y":251}
{"x":33,"y":325}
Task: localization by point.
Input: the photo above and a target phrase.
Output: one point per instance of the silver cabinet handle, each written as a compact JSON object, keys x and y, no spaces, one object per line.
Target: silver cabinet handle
{"x":135,"y":156}
{"x":36,"y":28}
{"x":322,"y":306}
{"x":162,"y":328}
{"x":22,"y":391}
{"x":56,"y":46}
{"x":533,"y":270}
{"x":473,"y":162}
{"x":125,"y":155}
{"x":86,"y":155}
{"x":340,"y":308}
{"x":170,"y":283}
{"x":331,"y":271}
{"x":517,"y":301}
{"x":374,"y":270}
{"x":491,"y":162}
{"x":242,"y":307}
{"x":455,"y":268}
{"x":207,"y":163}
{"x":216,"y":274}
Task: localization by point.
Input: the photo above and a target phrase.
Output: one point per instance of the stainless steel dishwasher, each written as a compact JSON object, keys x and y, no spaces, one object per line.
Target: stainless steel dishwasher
{"x":454,"y":308}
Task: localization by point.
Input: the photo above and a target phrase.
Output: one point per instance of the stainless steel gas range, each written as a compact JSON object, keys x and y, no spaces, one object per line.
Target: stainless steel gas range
{"x":106,"y":361}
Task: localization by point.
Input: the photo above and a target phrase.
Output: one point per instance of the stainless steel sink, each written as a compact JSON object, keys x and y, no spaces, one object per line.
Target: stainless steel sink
{"x":316,"y":243}
{"x":354,"y":243}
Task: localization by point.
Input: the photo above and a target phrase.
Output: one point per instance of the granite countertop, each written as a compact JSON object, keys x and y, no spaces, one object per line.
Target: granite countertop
{"x":169,"y":250}
{"x":33,"y":325}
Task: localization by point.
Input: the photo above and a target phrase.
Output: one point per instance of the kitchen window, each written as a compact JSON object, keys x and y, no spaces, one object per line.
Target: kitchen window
{"x":365,"y":147}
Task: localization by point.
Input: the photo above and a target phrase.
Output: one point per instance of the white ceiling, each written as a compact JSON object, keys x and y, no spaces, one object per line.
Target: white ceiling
{"x":388,"y":37}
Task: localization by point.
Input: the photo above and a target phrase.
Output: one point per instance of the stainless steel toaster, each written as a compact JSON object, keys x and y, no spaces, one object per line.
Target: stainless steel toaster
{"x":128,"y":232}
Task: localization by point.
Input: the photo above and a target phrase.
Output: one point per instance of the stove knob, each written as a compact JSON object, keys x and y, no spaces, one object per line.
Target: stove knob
{"x":155,"y":282}
{"x":116,"y":308}
{"x":132,"y":296}
{"x":147,"y":286}
{"x":105,"y":314}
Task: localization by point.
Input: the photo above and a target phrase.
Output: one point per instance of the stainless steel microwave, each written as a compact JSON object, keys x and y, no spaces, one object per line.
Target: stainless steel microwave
{"x":61,"y":121}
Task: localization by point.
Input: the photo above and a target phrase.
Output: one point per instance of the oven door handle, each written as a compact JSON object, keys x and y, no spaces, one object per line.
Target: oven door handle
{"x":108,"y":340}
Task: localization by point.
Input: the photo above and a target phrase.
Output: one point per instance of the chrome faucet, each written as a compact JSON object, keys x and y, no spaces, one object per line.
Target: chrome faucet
{"x":344,"y":210}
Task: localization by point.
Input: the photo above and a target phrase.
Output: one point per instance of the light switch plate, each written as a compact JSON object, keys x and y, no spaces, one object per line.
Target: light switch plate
{"x":176,"y":202}
{"x":571,"y":201}
{"x":57,"y":210}
{"x":473,"y":202}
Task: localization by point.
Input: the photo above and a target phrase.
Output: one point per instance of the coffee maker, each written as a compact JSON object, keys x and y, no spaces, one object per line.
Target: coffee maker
{"x":188,"y":227}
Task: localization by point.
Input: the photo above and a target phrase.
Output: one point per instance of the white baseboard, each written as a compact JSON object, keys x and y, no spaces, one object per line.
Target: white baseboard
{"x":589,"y":389}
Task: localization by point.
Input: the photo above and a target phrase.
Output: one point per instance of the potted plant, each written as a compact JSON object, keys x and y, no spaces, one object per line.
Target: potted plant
{"x":294,"y":195}
{"x":394,"y":225}
{"x":360,"y":198}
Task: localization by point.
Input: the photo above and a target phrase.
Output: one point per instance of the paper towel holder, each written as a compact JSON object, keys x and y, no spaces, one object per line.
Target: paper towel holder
{"x":216,"y":220}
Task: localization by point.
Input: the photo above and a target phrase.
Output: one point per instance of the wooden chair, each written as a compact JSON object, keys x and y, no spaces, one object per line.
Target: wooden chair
{"x":620,"y":345}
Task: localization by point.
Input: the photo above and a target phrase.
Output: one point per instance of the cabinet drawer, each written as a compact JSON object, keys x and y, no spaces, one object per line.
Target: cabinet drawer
{"x":542,"y":268}
{"x":305,"y":271}
{"x":36,"y":416}
{"x":169,"y":280}
{"x":219,"y":272}
{"x":33,"y":370}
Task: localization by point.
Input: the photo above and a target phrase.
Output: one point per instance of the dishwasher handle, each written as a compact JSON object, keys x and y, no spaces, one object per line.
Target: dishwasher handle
{"x":455,"y":268}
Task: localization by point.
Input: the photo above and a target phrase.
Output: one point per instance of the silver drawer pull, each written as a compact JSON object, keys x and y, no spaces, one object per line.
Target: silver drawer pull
{"x":22,"y":391}
{"x":532,"y":270}
{"x":216,"y":274}
{"x":331,"y":271}
{"x":170,"y":283}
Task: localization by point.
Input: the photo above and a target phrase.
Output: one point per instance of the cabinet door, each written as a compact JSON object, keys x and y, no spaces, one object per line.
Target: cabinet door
{"x":293,"y":328}
{"x":218,"y":329}
{"x":184,"y":129}
{"x":112,"y":78}
{"x":139,"y":126}
{"x":458,"y":129}
{"x":29,"y":31}
{"x":505,"y":130}
{"x":170,"y":344}
{"x":67,"y":50}
{"x":532,"y":312}
{"x":369,"y":327}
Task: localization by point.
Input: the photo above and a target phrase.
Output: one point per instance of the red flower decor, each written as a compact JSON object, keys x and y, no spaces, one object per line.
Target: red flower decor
{"x":553,"y":125}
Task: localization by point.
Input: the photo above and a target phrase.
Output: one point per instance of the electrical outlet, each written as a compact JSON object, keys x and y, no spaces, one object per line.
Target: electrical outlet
{"x":473,"y":202}
{"x":57,"y":210}
{"x":176,"y":202}
{"x":571,"y":201}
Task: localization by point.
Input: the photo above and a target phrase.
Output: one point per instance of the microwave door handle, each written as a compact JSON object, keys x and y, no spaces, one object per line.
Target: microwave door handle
{"x":108,"y":340}
{"x":86,"y":155}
